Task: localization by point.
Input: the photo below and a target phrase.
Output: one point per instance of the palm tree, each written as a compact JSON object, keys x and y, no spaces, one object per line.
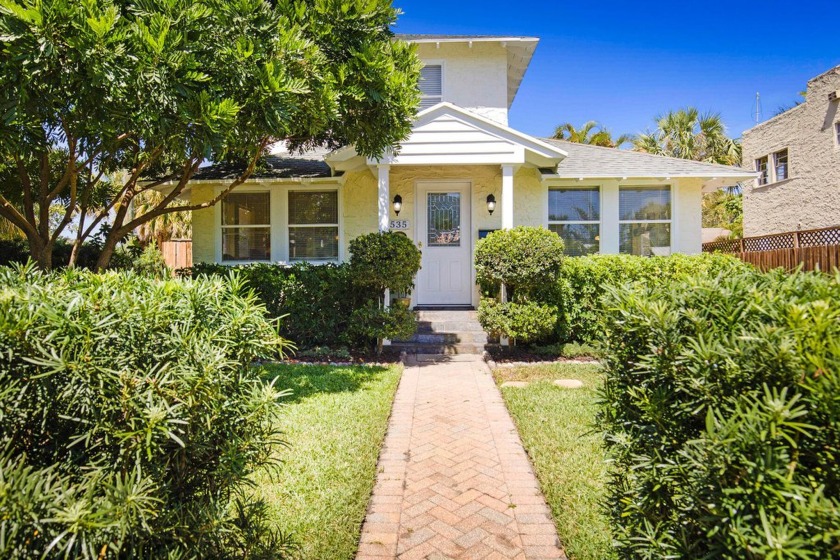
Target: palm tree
{"x":590,"y":133}
{"x":687,"y":134}
{"x":175,"y":225}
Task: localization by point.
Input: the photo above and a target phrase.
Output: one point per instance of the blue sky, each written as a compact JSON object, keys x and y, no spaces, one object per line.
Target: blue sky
{"x":622,"y":63}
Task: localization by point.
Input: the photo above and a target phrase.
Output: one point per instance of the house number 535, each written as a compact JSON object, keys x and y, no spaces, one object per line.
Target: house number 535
{"x":399,"y":224}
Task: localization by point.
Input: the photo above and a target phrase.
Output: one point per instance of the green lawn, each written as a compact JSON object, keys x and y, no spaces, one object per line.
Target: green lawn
{"x":556,"y":426}
{"x":334,"y":423}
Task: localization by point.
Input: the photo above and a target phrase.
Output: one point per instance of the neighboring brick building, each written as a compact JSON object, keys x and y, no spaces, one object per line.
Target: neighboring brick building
{"x":798,"y":154}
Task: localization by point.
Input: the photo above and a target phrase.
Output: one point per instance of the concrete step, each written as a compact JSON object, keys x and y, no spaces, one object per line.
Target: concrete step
{"x":465,"y":316}
{"x":438,"y":349}
{"x":448,"y":326}
{"x":429,"y":337}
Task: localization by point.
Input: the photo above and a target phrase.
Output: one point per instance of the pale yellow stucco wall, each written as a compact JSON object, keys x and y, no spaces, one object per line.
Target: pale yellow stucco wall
{"x":359,"y":196}
{"x":204,"y":227}
{"x":474,"y":77}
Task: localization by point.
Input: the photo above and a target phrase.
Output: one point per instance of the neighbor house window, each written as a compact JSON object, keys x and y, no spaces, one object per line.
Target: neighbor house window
{"x":780,"y":165}
{"x":761,"y":167}
{"x":431,"y":85}
{"x":313,"y":225}
{"x":837,"y":132}
{"x":645,"y":221}
{"x":246,"y":227}
{"x":575,"y":215}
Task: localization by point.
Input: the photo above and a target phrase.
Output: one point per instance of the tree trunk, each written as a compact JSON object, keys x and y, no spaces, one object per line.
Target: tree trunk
{"x":41,"y":253}
{"x":107,"y":252}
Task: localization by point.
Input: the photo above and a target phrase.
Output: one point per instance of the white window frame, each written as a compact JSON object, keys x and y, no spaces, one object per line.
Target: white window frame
{"x":222,"y":227}
{"x":279,"y":217}
{"x":597,"y":222}
{"x":764,"y":178}
{"x":289,"y":225}
{"x":671,"y":221}
{"x":775,"y":157}
{"x":440,"y":98}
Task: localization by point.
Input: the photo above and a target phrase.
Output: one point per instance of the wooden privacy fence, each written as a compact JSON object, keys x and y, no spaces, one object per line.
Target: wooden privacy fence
{"x":177,"y":253}
{"x":812,"y":248}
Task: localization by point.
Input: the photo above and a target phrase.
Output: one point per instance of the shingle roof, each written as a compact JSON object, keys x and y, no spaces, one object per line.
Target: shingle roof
{"x":585,"y":160}
{"x":279,"y":165}
{"x":432,"y":37}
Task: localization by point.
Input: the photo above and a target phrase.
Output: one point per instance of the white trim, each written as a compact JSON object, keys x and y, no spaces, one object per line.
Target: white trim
{"x":507,"y":196}
{"x":384,"y":196}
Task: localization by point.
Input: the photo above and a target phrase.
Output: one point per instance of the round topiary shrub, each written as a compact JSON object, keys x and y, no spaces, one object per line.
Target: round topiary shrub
{"x":523,"y":259}
{"x":384,"y":261}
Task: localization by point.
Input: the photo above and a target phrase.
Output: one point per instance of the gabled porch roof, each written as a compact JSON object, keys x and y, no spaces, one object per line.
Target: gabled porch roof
{"x":449,"y":135}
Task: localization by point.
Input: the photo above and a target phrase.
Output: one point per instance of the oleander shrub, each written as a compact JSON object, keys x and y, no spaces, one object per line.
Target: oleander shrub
{"x":583,"y":282}
{"x":525,"y":261}
{"x":131,"y":417}
{"x":721,"y":409}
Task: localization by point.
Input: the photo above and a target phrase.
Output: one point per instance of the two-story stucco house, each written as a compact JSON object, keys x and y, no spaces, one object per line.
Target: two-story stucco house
{"x":797,"y":155}
{"x":462,"y":173}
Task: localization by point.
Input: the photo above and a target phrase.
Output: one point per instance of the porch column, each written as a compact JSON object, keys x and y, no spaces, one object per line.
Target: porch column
{"x":384,"y":176}
{"x":507,"y":197}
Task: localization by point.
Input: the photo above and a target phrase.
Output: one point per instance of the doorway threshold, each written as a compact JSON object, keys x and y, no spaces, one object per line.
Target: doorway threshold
{"x":443,"y":308}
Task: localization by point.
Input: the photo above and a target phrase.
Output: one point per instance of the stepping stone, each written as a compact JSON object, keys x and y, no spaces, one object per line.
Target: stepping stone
{"x":568,"y":383}
{"x":519,"y":384}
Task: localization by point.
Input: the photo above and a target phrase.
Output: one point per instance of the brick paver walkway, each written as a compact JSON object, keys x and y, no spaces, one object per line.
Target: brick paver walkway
{"x":453,"y":478}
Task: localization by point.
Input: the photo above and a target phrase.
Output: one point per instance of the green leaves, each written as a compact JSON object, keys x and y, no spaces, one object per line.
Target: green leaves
{"x":130,"y":418}
{"x":721,"y":412}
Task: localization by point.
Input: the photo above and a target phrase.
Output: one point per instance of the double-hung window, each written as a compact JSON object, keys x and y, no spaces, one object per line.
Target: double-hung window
{"x":780,"y":165}
{"x":246,"y":227}
{"x":575,"y":215}
{"x":313,"y":225}
{"x":761,"y":167}
{"x":645,"y":220}
{"x":431,"y":85}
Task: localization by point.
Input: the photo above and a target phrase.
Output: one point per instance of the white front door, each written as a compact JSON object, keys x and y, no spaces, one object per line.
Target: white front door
{"x":443,"y":229}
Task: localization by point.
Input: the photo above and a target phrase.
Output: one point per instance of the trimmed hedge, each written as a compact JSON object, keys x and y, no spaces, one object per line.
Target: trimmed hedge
{"x":130,"y":417}
{"x":721,"y":409}
{"x":526,"y":262}
{"x":336,"y":305}
{"x":16,"y":251}
{"x":584,"y":280}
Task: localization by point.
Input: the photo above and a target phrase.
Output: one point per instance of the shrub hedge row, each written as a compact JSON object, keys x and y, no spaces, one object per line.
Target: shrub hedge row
{"x":721,"y":409}
{"x":130,"y":418}
{"x":336,"y":305}
{"x":584,"y":280}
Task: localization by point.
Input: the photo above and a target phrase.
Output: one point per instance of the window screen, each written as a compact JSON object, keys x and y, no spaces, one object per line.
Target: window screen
{"x":313,"y":225}
{"x":246,"y":227}
{"x":574,"y":214}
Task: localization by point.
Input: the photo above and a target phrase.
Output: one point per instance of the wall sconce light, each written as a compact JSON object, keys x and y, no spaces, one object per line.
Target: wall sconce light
{"x":397,"y":204}
{"x":491,"y":203}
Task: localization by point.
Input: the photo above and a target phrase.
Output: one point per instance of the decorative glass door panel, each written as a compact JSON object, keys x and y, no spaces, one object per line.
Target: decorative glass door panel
{"x":444,"y":219}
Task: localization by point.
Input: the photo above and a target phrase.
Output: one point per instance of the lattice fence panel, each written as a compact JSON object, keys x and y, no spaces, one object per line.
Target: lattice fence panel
{"x":818,"y":237}
{"x":769,"y":242}
{"x":723,"y":246}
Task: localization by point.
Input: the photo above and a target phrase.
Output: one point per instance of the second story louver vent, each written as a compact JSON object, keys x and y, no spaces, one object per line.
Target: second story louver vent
{"x":431,"y":86}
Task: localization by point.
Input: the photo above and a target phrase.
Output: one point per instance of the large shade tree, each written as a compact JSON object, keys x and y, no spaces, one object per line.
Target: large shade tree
{"x":688,"y":134}
{"x":156,"y":88}
{"x":590,"y":133}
